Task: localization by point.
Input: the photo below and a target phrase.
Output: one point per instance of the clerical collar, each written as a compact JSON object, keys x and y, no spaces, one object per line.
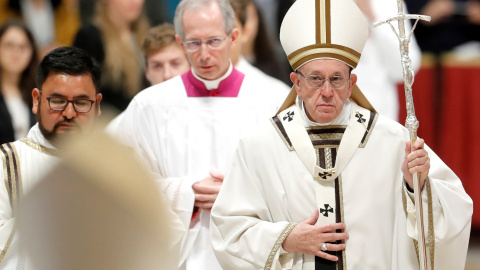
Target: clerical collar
{"x":227,"y":86}
{"x":213,"y":84}
{"x":341,"y":120}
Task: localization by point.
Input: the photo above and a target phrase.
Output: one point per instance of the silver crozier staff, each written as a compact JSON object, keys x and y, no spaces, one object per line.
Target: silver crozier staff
{"x":411,"y":123}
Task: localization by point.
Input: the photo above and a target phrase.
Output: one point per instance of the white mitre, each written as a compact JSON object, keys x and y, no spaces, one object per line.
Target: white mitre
{"x":316,"y":29}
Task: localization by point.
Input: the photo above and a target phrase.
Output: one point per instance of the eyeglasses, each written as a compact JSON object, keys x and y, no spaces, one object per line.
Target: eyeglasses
{"x":315,"y":81}
{"x":59,"y":104}
{"x":212,"y":43}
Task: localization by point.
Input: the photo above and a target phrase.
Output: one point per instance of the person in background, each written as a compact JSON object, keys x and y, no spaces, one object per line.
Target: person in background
{"x":155,"y":9}
{"x":164,"y":57}
{"x":260,"y":48}
{"x":453,"y":23}
{"x":240,"y":7}
{"x":114,"y":39}
{"x":382,"y":50}
{"x":53,"y":23}
{"x":67,"y":103}
{"x":18,"y":66}
{"x":186,"y":128}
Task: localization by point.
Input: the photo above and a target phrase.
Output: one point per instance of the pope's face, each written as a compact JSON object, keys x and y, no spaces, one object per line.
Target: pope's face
{"x":201,"y":24}
{"x":324,"y":104}
{"x":166,"y":63}
{"x":55,"y":124}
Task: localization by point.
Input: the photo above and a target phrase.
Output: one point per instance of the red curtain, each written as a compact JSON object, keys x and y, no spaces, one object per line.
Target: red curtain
{"x":447,"y":103}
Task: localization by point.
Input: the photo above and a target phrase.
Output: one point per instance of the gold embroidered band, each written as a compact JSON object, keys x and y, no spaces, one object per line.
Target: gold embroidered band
{"x":278,"y":243}
{"x":301,"y":56}
{"x":13,"y":183}
{"x":41,"y":148}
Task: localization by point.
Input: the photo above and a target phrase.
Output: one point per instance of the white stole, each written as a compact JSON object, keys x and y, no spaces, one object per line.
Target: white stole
{"x":325,"y":178}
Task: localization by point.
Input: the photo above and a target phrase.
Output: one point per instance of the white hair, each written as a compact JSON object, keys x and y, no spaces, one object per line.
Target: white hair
{"x":225,"y":8}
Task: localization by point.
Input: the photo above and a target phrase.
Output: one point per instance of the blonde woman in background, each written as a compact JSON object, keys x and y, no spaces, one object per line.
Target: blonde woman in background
{"x":114,"y":38}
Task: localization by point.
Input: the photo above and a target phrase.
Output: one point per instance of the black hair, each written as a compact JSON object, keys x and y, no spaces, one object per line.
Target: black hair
{"x":70,"y":61}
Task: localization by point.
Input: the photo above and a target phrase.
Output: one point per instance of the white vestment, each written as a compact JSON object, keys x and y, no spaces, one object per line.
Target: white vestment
{"x":183,"y":138}
{"x":250,"y":70}
{"x":36,"y":157}
{"x":268,"y":189}
{"x":380,"y":69}
{"x":24,"y":166}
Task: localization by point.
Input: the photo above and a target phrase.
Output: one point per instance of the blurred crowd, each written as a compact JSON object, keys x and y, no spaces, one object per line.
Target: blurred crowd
{"x":134,"y":55}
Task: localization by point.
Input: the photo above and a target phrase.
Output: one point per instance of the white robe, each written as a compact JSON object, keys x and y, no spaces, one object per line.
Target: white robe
{"x":183,"y":138}
{"x":250,"y":70}
{"x":36,"y":159}
{"x":267,"y":190}
{"x":380,"y":70}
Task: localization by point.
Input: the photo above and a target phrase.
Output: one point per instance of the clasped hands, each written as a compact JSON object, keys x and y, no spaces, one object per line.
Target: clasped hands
{"x":207,"y":189}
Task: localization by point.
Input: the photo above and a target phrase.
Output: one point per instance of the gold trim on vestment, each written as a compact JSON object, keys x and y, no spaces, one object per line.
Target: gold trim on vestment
{"x":431,"y":228}
{"x":325,"y":146}
{"x":431,"y":231}
{"x":7,"y":245}
{"x":12,"y":175}
{"x":278,"y":243}
{"x":326,"y":136}
{"x":40,"y":148}
{"x":315,"y":128}
{"x":5,"y":166}
{"x":340,"y":194}
{"x":329,"y":164}
{"x":328,"y":159}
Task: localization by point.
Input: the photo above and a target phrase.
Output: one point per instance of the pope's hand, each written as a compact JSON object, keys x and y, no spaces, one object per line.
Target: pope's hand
{"x":415,"y":161}
{"x":308,"y":238}
{"x":206,"y":190}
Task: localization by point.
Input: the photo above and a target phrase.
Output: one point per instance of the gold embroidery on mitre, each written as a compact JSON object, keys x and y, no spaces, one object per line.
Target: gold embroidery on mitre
{"x":324,"y":51}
